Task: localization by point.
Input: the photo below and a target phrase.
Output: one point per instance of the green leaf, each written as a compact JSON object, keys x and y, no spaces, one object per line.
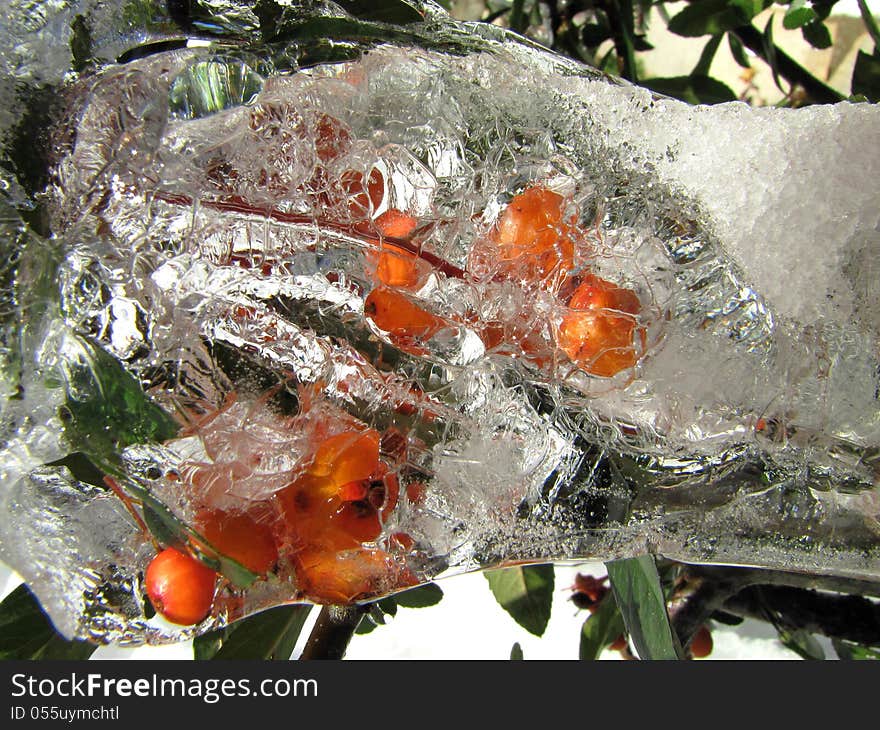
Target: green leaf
{"x":106,"y":408}
{"x":423,"y":596}
{"x":396,"y":12}
{"x":770,"y":52}
{"x":388,"y":606}
{"x":849,"y":651}
{"x":27,"y":633}
{"x":206,"y":646}
{"x":640,"y":43}
{"x":866,"y":76}
{"x":516,"y":652}
{"x":707,"y":56}
{"x":639,"y":595}
{"x":823,"y":8}
{"x":80,"y":43}
{"x":601,"y":629}
{"x":738,"y":51}
{"x":271,"y":634}
{"x":710,"y":17}
{"x":692,"y":89}
{"x":817,"y":34}
{"x":366,"y":626}
{"x":798,"y":15}
{"x":803,"y":644}
{"x":526,"y":593}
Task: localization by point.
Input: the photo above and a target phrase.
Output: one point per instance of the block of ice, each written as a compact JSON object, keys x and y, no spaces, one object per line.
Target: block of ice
{"x":421,"y":312}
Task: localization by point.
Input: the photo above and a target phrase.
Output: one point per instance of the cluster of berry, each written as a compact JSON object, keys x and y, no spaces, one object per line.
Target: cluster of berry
{"x":323,"y":526}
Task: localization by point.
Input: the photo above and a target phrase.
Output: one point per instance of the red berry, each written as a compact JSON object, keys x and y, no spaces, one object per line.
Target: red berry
{"x":180,"y":587}
{"x":702,"y":644}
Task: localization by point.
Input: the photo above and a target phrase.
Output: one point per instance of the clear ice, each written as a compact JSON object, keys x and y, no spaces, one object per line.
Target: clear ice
{"x":195,"y":305}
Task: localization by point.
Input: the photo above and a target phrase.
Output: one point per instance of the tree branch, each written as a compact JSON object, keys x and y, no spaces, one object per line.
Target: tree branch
{"x":851,"y":618}
{"x":332,"y":632}
{"x":703,"y":590}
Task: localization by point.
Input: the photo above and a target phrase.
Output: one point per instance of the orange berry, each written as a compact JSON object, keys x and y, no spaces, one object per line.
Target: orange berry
{"x":702,"y":644}
{"x":343,"y":577}
{"x":531,"y":239}
{"x":600,"y":330}
{"x":240,"y":537}
{"x":351,"y":456}
{"x":396,"y":224}
{"x":415,"y":492}
{"x":400,"y":316}
{"x":395,"y":266}
{"x":619,"y":644}
{"x":180,"y":587}
{"x":332,"y":139}
{"x":363,"y":198}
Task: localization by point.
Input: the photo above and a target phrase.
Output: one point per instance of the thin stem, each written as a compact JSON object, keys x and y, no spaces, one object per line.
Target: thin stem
{"x":789,"y":69}
{"x":332,"y":632}
{"x":240,"y":206}
{"x":621,"y":21}
{"x":870,"y":23}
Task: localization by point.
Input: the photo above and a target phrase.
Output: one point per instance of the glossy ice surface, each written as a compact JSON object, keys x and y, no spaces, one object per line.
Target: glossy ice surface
{"x":347,"y":327}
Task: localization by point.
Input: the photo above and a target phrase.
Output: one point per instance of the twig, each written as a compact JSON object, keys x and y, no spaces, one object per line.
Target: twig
{"x":789,"y":69}
{"x":696,"y":598}
{"x":852,"y":618}
{"x":704,"y":590}
{"x":332,"y":632}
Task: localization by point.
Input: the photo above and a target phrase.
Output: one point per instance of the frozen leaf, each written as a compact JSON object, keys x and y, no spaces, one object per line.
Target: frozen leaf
{"x":208,"y":87}
{"x":803,"y":644}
